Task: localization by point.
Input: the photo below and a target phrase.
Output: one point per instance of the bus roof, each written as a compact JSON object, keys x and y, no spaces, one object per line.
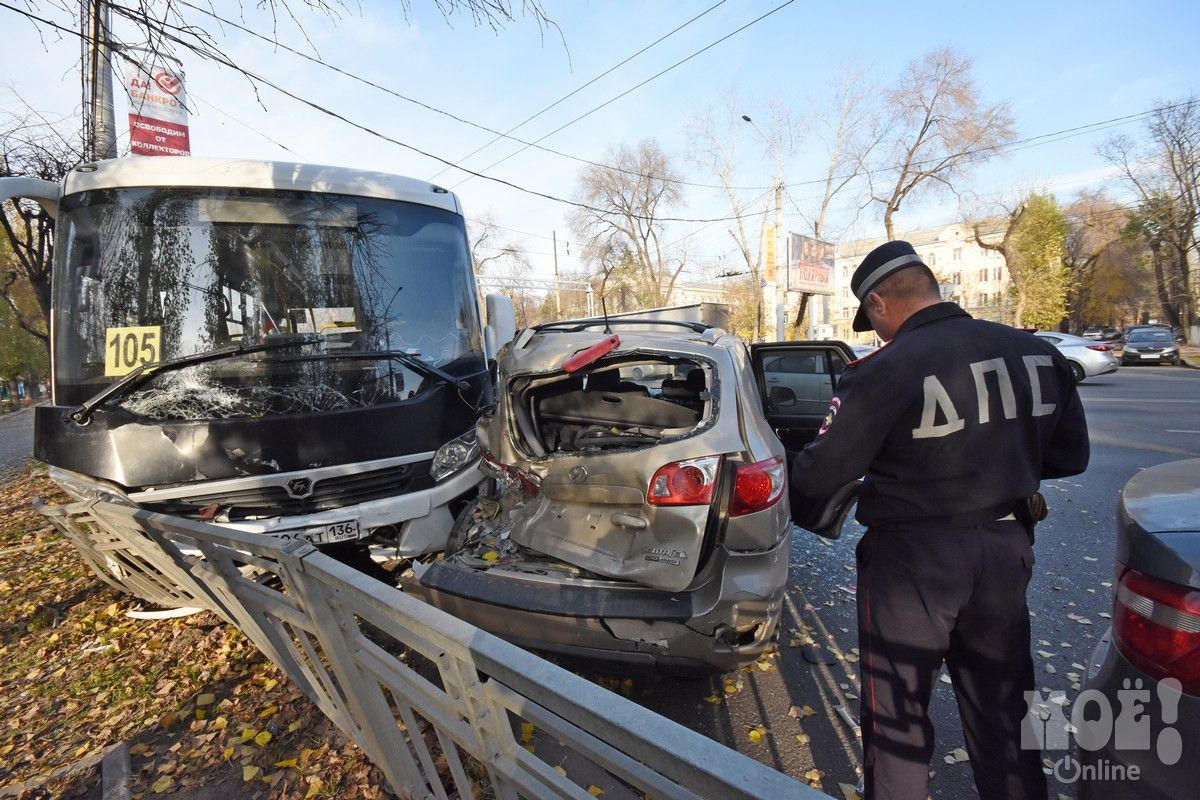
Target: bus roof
{"x":186,"y":171}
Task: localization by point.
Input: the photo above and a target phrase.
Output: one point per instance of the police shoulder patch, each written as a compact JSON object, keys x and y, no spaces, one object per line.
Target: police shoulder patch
{"x":834,"y":405}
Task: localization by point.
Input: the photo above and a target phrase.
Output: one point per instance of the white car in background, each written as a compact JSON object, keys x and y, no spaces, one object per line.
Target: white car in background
{"x":1088,"y":358}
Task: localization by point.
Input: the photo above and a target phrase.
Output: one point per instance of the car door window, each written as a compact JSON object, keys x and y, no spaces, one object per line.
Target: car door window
{"x":1051,"y":339}
{"x":801,"y":379}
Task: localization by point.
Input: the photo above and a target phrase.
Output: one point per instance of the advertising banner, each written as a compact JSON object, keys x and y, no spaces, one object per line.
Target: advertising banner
{"x":158,"y":117}
{"x":810,"y":267}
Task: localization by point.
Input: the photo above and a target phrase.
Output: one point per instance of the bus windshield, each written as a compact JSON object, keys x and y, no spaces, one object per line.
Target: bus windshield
{"x":152,"y":274}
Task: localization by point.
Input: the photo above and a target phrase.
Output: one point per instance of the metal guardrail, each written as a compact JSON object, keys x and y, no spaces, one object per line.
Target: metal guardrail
{"x":410,"y":684}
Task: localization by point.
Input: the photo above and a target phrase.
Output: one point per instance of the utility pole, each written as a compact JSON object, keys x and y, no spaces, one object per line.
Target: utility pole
{"x":771,"y":291}
{"x":557,"y":288}
{"x":100,"y":131}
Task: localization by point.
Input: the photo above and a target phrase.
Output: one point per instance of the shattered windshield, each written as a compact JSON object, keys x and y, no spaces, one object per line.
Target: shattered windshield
{"x":155,"y":274}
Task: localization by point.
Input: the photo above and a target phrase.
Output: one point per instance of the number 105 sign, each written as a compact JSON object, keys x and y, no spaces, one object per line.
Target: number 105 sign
{"x":126,"y":349}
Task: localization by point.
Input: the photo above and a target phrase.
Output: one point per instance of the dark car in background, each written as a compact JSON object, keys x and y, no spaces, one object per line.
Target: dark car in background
{"x":1150,"y":345}
{"x":1176,"y":332}
{"x":1147,"y":665}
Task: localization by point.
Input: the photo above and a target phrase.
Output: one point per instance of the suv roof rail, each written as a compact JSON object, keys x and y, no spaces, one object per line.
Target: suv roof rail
{"x":574,"y":326}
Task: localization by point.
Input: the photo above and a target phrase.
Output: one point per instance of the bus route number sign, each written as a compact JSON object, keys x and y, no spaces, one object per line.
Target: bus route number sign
{"x":126,"y":349}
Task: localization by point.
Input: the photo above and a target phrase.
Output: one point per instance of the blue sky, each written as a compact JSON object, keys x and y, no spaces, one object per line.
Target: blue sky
{"x":1059,"y":65}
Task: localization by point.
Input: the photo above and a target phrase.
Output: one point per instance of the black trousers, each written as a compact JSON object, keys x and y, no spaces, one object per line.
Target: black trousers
{"x":956,"y":596}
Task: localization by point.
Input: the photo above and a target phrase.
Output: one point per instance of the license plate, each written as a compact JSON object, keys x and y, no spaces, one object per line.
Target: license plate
{"x":1149,"y":355}
{"x":333,"y":532}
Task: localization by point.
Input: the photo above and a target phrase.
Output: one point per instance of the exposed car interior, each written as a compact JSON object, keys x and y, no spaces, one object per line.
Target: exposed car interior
{"x":603,"y":409}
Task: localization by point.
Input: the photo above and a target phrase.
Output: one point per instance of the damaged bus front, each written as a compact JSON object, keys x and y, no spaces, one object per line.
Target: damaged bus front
{"x":281,"y":348}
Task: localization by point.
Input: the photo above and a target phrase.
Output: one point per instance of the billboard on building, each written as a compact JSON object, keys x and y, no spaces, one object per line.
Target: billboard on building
{"x":158,"y":117}
{"x":810,"y":265}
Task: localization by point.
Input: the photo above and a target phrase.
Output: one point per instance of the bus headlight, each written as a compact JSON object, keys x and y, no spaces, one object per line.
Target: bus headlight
{"x":454,"y":455}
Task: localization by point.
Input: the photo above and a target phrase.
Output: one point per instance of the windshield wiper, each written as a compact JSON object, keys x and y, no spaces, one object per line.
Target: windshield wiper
{"x":404,"y":357}
{"x":144,"y":372}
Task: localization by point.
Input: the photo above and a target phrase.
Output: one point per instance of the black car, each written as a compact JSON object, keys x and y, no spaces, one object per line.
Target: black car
{"x":1150,"y":345}
{"x":1175,"y":332}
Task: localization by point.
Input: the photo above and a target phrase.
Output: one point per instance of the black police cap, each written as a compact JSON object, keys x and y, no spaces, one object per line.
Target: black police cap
{"x":878,"y":264}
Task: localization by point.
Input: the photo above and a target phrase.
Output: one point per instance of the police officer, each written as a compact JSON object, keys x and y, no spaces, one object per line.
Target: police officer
{"x":952,"y":423}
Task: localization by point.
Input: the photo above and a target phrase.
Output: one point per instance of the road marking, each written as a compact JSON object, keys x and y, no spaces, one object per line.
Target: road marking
{"x":1173,"y":430}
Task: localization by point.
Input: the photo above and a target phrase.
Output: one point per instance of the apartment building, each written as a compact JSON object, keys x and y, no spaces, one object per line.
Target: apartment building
{"x":970,"y":275}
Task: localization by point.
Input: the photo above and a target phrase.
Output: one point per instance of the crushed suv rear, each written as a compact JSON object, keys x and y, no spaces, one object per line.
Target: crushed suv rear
{"x":636,"y":506}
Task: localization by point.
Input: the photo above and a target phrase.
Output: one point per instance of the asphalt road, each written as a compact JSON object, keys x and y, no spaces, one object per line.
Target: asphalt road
{"x":16,"y":441}
{"x":1138,"y":417}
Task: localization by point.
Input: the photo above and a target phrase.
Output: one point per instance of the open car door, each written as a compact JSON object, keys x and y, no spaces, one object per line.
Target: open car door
{"x":797,"y":381}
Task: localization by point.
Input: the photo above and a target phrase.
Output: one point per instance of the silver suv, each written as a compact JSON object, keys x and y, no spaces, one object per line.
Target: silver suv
{"x":639,"y":507}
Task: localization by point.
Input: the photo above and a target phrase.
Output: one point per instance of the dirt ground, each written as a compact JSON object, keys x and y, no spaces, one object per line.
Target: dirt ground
{"x":205,"y":715}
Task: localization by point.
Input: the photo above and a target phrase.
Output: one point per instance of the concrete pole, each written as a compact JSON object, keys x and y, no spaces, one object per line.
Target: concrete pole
{"x":557,"y":287}
{"x":103,"y":133}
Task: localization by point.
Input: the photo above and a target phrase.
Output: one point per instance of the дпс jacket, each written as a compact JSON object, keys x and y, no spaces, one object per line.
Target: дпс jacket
{"x":950,"y":424}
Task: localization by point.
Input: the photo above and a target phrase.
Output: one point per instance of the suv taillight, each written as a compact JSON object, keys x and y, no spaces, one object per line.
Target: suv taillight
{"x":758,"y":486}
{"x":684,"y":483}
{"x":1156,"y":625}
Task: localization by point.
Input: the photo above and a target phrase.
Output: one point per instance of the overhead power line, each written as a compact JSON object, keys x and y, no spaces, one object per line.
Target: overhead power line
{"x":583,"y":86}
{"x":634,"y":88}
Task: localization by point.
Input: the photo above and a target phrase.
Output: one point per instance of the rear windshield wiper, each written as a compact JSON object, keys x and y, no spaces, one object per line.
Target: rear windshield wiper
{"x":144,"y":372}
{"x":403,"y":356}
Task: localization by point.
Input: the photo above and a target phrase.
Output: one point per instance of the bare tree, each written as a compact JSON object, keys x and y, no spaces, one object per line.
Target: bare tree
{"x":31,"y":146}
{"x":934,"y":127}
{"x":620,"y":224}
{"x":844,"y":126}
{"x":713,"y":139}
{"x":1164,"y":172}
{"x":490,"y":247}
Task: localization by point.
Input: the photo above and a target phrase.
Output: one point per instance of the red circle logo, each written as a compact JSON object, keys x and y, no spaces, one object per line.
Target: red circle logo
{"x":168,"y":83}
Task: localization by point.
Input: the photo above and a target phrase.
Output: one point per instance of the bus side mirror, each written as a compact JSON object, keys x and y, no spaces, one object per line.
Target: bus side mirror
{"x":45,"y":193}
{"x":501,"y":324}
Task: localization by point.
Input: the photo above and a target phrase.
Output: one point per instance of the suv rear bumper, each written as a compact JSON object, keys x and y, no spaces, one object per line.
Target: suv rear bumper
{"x":725,"y":622}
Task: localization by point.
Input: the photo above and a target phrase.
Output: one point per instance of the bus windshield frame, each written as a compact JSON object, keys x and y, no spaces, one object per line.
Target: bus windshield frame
{"x":147,"y":275}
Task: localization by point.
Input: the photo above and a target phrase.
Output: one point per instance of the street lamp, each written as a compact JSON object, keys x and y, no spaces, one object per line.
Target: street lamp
{"x":773,"y":282}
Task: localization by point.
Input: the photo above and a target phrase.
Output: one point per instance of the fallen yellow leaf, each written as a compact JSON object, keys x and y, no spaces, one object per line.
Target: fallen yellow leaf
{"x":712,"y":698}
{"x":293,"y":727}
{"x":201,"y":714}
{"x":206,"y":699}
{"x":269,"y":711}
{"x":262,"y":738}
{"x":526,"y":732}
{"x":287,"y":762}
{"x":227,"y":753}
{"x":595,"y":791}
{"x":220,"y":723}
{"x":313,"y":788}
{"x":807,"y":711}
{"x":248,"y":734}
{"x":755,"y":736}
{"x":270,"y":684}
{"x":250,"y":773}
{"x":162,"y":784}
{"x":561,"y":771}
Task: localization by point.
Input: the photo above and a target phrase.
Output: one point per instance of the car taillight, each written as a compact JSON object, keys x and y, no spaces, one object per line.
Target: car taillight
{"x":1156,"y":625}
{"x":684,"y":483}
{"x":758,"y":486}
{"x":1103,"y":348}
